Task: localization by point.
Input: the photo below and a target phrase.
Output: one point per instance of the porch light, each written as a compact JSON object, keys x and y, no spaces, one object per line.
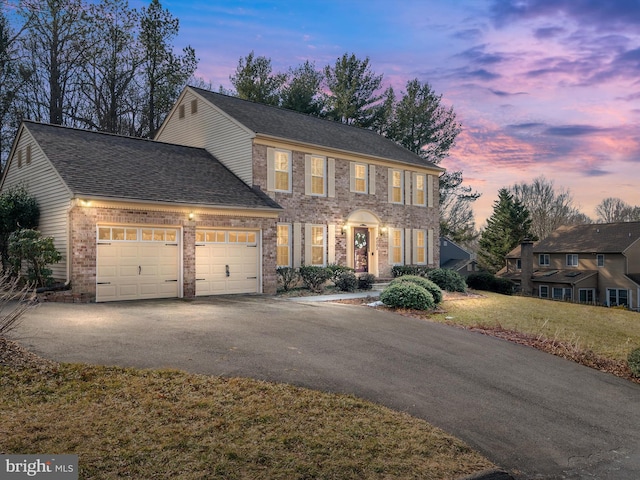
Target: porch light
{"x":85,"y":203}
{"x":191,"y":215}
{"x":383,"y":229}
{"x":345,"y":228}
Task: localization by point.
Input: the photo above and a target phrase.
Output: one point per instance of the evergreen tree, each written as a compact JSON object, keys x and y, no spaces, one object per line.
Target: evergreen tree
{"x":302,"y":93}
{"x":255,"y":81}
{"x":507,"y":227}
{"x":352,"y":86}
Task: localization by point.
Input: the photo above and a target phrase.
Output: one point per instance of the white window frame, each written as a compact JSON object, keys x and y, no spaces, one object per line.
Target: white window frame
{"x":566,"y":293}
{"x":572,"y":260}
{"x":272,"y":154}
{"x":617,"y":302}
{"x":309,"y":175}
{"x":417,"y":248}
{"x":416,"y":191}
{"x":587,"y":291}
{"x":309,"y":237}
{"x":355,"y":178}
{"x":544,"y":260}
{"x":546,"y":290}
{"x":393,"y":248}
{"x":392,"y":188}
{"x":600,"y":259}
{"x":279,"y":244}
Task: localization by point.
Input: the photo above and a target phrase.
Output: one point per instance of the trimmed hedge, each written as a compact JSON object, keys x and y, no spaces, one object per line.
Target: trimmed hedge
{"x":314,"y":277}
{"x":346,"y":282}
{"x":400,"y":270}
{"x":427,"y":284}
{"x":447,"y":279}
{"x":288,"y":277}
{"x":489,"y":282}
{"x":365,"y":282}
{"x":407,"y":295}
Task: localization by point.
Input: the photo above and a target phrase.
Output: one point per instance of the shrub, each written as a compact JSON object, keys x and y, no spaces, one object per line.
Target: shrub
{"x":288,"y":277}
{"x":447,"y":279}
{"x":38,"y":251}
{"x":407,"y":295}
{"x":634,"y":362}
{"x":14,"y":301}
{"x":365,"y":282}
{"x":314,"y":277}
{"x":18,"y":210}
{"x":427,"y":284}
{"x":489,"y":282}
{"x":346,"y":282}
{"x":400,"y":270}
{"x":336,"y":271}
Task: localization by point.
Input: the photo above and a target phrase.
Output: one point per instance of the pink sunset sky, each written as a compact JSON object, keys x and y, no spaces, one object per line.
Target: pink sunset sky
{"x":541,"y":87}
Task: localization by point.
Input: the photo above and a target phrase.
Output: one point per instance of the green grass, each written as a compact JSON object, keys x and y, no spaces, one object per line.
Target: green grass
{"x":609,"y":332}
{"x":127,"y":423}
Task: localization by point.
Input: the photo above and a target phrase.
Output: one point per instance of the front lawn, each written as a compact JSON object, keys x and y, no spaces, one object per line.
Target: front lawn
{"x":127,"y":423}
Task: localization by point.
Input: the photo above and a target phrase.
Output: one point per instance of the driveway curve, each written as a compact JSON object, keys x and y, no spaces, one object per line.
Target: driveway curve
{"x":538,"y":416}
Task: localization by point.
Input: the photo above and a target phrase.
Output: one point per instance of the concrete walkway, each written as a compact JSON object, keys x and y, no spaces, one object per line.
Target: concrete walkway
{"x":529,"y":412}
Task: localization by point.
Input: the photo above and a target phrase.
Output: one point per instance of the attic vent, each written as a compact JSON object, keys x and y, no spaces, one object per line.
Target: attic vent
{"x":597,"y":230}
{"x":28,"y":154}
{"x":19,"y":158}
{"x":181,"y":111}
{"x":194,"y":106}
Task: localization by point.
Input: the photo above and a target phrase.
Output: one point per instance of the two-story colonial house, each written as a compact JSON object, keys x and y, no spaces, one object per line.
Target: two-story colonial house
{"x":594,"y":263}
{"x":228,"y":191}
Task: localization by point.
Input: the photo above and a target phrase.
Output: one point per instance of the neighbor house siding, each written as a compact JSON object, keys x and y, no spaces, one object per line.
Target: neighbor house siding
{"x":43,"y":182}
{"x":633,"y":258}
{"x":212,"y":130}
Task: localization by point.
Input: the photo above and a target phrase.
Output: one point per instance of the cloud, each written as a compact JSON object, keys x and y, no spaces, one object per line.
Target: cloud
{"x":600,"y":14}
{"x":477,"y":74}
{"x":595,"y":172}
{"x":468,"y":34}
{"x":548,"y":32}
{"x":526,"y":126}
{"x":574,"y":130}
{"x":502,"y":93}
{"x":478,"y":56}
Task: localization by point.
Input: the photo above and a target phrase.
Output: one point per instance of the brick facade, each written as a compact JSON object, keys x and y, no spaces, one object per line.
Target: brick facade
{"x":298,"y":207}
{"x":83,"y":222}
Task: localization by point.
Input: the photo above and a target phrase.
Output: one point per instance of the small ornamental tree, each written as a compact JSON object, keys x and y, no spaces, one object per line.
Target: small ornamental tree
{"x":18,"y":210}
{"x":30,"y":247}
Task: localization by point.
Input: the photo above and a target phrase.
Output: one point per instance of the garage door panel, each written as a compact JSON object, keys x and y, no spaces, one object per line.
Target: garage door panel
{"x":211,"y":268}
{"x":128,"y":270}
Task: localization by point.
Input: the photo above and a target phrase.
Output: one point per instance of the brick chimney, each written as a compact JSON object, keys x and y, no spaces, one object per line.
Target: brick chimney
{"x":526,"y":271}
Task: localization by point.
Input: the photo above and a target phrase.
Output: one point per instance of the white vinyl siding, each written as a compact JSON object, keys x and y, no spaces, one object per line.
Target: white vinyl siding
{"x":43,"y":182}
{"x":214,"y":131}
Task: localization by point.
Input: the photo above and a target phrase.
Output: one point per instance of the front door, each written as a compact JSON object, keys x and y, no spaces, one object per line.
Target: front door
{"x":361,"y":249}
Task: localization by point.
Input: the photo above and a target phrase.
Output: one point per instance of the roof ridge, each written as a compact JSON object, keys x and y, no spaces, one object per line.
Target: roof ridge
{"x":295,"y":112}
{"x":110,"y":134}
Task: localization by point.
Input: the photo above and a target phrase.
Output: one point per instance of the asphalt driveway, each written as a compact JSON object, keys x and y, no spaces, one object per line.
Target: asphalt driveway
{"x":527,"y":411}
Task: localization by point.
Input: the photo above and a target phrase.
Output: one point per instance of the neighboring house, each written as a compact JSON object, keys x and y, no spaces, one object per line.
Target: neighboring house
{"x":595,"y":263}
{"x":228,"y":191}
{"x":456,"y":258}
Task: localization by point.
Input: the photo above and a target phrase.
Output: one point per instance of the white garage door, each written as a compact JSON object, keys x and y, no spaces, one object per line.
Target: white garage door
{"x":226,"y":262}
{"x":137,"y":263}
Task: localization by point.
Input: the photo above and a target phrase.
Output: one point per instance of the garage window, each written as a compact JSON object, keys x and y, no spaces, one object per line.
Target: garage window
{"x":125,"y":234}
{"x":223,"y":236}
{"x":158,"y":235}
{"x":118,"y":234}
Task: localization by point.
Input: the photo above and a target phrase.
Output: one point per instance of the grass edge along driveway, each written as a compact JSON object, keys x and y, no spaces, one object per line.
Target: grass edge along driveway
{"x":135,"y":423}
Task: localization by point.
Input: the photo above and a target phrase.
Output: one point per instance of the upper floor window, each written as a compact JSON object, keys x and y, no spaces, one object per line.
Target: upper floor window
{"x":316,"y":175}
{"x":395,"y":186}
{"x":419,"y":189}
{"x":362,"y":178}
{"x":543,"y":260}
{"x":519,"y":264}
{"x":278,"y":170}
{"x":600,"y":260}
{"x":572,"y":260}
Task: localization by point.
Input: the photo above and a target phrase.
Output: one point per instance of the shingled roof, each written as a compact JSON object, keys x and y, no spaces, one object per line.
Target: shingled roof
{"x":591,"y":238}
{"x":290,"y":125}
{"x":113,"y":166}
